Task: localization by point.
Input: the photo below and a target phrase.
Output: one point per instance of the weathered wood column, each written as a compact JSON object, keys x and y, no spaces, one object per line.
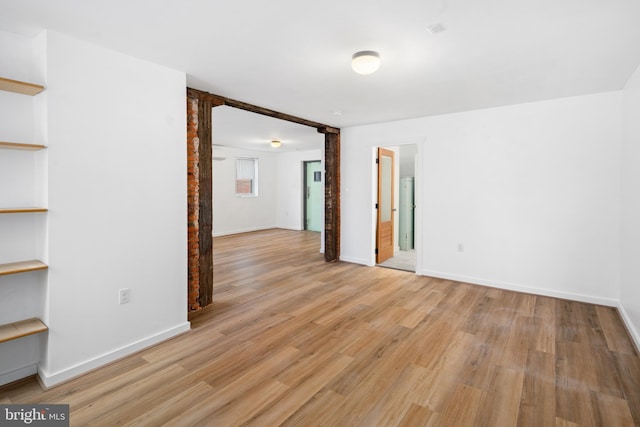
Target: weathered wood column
{"x":199,"y":200}
{"x":331,"y":193}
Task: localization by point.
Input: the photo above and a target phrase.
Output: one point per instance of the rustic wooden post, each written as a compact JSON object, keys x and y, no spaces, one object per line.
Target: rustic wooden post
{"x":331,"y":193}
{"x":205,"y":206}
{"x":200,"y":199}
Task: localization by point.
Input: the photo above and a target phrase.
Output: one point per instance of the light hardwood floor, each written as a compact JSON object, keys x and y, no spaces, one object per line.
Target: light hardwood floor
{"x":293,"y":341}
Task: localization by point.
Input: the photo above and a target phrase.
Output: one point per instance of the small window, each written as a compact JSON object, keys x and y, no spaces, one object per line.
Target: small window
{"x":246,"y":177}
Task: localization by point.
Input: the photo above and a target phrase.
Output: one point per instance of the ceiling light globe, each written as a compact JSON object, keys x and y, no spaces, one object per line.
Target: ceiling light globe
{"x":275,"y":143}
{"x":365,"y":62}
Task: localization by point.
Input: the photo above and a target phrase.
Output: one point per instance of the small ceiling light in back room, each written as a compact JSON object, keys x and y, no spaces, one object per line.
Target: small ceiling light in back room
{"x":436,"y":28}
{"x":365,"y":62}
{"x":276,"y":144}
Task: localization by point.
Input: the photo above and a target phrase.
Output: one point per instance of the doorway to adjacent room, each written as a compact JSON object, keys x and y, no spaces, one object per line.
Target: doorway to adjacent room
{"x":313,"y":202}
{"x":395,"y":213}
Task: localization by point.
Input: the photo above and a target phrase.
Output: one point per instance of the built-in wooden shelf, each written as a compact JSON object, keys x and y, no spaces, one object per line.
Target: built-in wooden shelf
{"x":21,"y":210}
{"x":22,"y":267}
{"x":17,"y":86}
{"x":21,"y":146}
{"x":23,"y":328}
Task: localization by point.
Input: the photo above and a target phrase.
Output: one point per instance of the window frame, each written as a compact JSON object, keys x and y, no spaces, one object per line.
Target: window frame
{"x":254,"y":180}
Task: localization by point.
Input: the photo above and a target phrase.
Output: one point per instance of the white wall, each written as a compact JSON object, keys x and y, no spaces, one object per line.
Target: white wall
{"x":233,"y":214}
{"x":290,"y":196}
{"x":630,"y":281}
{"x":117,"y":205}
{"x":279,"y":201}
{"x":532,"y":191}
{"x":22,"y":236}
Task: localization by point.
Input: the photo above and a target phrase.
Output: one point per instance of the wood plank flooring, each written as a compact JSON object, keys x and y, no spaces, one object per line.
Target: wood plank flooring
{"x":294,"y":341}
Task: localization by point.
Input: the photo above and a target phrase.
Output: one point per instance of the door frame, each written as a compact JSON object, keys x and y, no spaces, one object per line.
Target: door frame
{"x":306,"y":163}
{"x":418,"y":188}
{"x":391,"y":224}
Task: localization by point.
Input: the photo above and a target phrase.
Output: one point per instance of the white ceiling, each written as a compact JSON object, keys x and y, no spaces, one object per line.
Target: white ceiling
{"x":241,"y":129}
{"x":294,"y":56}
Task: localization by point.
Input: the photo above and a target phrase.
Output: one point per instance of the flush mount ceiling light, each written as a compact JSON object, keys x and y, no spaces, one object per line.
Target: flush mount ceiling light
{"x":436,"y":28}
{"x":365,"y":61}
{"x":276,"y":144}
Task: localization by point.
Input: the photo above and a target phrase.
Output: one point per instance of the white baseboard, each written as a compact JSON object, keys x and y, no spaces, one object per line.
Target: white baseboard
{"x":249,"y":230}
{"x":18,"y":374}
{"x":241,"y":230}
{"x":286,"y":227}
{"x":609,"y":302}
{"x":519,"y":288}
{"x":48,"y":379}
{"x":357,"y":260}
{"x":629,"y":324}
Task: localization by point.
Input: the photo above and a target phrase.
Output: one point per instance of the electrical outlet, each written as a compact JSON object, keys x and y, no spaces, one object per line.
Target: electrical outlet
{"x":124,"y":295}
{"x":460,"y":247}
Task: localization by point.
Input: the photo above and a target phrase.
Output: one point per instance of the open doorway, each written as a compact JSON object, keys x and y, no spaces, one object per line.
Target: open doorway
{"x":200,"y":111}
{"x":313,"y":200}
{"x":396,"y":168}
{"x":277,"y":175}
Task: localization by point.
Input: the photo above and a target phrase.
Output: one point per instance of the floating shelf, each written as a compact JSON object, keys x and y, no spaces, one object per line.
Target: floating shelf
{"x":20,"y":146}
{"x":22,"y":267}
{"x":21,"y":210}
{"x":17,"y":86}
{"x":23,"y":328}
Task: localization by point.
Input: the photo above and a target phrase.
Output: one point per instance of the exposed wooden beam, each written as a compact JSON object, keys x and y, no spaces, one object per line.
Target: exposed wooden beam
{"x":218,"y":100}
{"x":329,"y":129}
{"x":198,"y":94}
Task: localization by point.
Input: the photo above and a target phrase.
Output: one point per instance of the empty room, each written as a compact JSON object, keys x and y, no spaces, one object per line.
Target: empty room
{"x":419,"y":213}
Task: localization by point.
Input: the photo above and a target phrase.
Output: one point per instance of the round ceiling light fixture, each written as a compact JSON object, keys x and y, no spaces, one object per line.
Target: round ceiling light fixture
{"x":276,"y":144}
{"x":365,"y":62}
